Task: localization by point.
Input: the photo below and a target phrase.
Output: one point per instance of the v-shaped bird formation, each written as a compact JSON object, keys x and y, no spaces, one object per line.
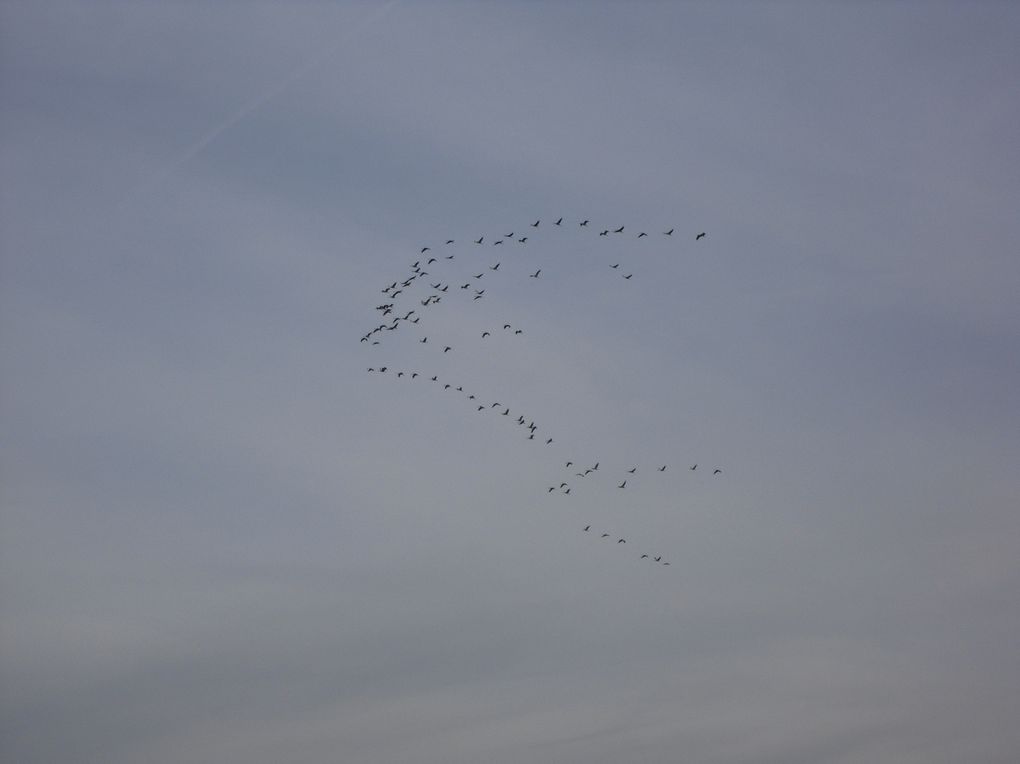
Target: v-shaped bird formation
{"x":429,"y":278}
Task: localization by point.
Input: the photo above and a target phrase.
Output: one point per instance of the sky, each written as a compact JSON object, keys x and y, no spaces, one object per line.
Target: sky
{"x":223,"y":539}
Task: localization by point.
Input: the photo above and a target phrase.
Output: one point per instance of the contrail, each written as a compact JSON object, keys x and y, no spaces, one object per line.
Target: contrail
{"x":191,"y":151}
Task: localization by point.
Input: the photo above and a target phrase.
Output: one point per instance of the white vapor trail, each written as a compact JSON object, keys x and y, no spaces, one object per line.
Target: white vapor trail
{"x":194,"y":149}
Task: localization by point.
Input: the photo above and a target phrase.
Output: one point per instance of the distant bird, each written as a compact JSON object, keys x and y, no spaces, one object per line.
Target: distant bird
{"x":584,"y":222}
{"x":447,"y":349}
{"x":449,"y":241}
{"x":700,"y":236}
{"x":644,"y":557}
{"x":619,"y":230}
{"x":480,"y":275}
{"x":497,"y":241}
{"x":548,"y":441}
{"x":519,"y":331}
{"x":400,"y":373}
{"x":558,"y":221}
{"x":494,"y":267}
{"x":424,"y":250}
{"x":551,"y":489}
{"x":717,"y":471}
{"x":535,"y":274}
{"x":604,"y":233}
{"x":465,"y":286}
{"x":662,"y":468}
{"x":665,"y":563}
{"x":481,"y":407}
{"x":383,"y":368}
{"x":628,"y":276}
{"x":623,"y":484}
{"x":621,"y":541}
{"x":615,"y":266}
{"x":507,"y":412}
{"x":435,"y":379}
{"x":446,"y":387}
{"x":657,"y":558}
{"x":605,"y":535}
{"x":523,"y":239}
{"x":587,"y":528}
{"x":595,"y":467}
{"x":535,"y":224}
{"x":477,"y":297}
{"x":694,"y":467}
{"x":570,"y":464}
{"x":506,"y":326}
{"x":641,"y":234}
{"x":668,"y":233}
{"x":480,"y":239}
{"x":632,"y":470}
{"x":485,"y":334}
{"x":414,"y":374}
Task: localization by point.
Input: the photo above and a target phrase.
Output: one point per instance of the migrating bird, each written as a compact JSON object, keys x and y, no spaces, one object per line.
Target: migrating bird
{"x":519,"y":331}
{"x":619,"y":230}
{"x":485,"y":334}
{"x":662,"y":468}
{"x":668,"y":233}
{"x":480,"y":239}
{"x":506,"y":326}
{"x":494,"y":267}
{"x":535,"y":224}
{"x":717,"y":471}
{"x":628,"y":276}
{"x":644,"y":557}
{"x":497,"y":241}
{"x":449,"y":241}
{"x":548,"y":441}
{"x":615,"y":266}
{"x":535,"y":274}
{"x":558,"y":221}
{"x":447,"y":349}
{"x":623,"y":484}
{"x":604,"y":233}
{"x":584,"y":222}
{"x":632,"y":470}
{"x":700,"y":236}
{"x":424,"y":250}
{"x":694,"y":467}
{"x":641,"y":234}
{"x":621,"y":541}
{"x":523,"y":239}
{"x":587,"y":528}
{"x":605,"y":535}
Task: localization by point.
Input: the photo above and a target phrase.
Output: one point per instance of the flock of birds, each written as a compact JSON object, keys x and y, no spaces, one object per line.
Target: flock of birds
{"x":434,"y":293}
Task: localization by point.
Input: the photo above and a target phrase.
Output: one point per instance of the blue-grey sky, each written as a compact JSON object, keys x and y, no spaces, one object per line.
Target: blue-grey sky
{"x":222,"y":539}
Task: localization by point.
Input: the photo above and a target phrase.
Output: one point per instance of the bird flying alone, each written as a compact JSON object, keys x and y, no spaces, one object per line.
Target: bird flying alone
{"x":700,"y":236}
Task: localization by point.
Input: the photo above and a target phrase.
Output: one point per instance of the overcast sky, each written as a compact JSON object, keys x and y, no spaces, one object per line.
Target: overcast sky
{"x":223,"y":539}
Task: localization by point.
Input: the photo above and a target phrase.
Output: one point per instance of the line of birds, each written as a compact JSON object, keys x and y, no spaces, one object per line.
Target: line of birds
{"x":398,"y":287}
{"x":440,"y":289}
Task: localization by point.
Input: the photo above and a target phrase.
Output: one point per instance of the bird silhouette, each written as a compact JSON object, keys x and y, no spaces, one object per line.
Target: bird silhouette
{"x":628,"y":276}
{"x":449,"y":241}
{"x":587,"y":528}
{"x":495,"y":267}
{"x":584,"y":222}
{"x":632,"y":470}
{"x":485,"y":334}
{"x":447,"y":349}
{"x":694,"y":467}
{"x":558,"y":221}
{"x":605,"y":535}
{"x":641,"y":234}
{"x":662,"y":468}
{"x":621,"y":541}
{"x":717,"y":471}
{"x":480,"y":239}
{"x":700,"y":236}
{"x":623,"y":484}
{"x":604,"y":233}
{"x":619,"y":230}
{"x":535,"y":224}
{"x":535,"y":274}
{"x":668,"y":233}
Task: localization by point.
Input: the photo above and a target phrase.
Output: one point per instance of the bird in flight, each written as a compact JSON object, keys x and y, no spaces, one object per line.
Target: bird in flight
{"x":641,"y":234}
{"x":662,"y":468}
{"x":587,"y":528}
{"x":535,"y":224}
{"x":584,"y":222}
{"x":495,"y":267}
{"x":480,"y":238}
{"x":619,"y":230}
{"x":535,"y":274}
{"x":485,"y":334}
{"x":449,"y":241}
{"x":632,"y":470}
{"x":668,"y":233}
{"x":447,"y":349}
{"x":694,"y":467}
{"x":558,"y":221}
{"x":623,"y":484}
{"x":717,"y":471}
{"x":604,"y":233}
{"x":700,"y":236}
